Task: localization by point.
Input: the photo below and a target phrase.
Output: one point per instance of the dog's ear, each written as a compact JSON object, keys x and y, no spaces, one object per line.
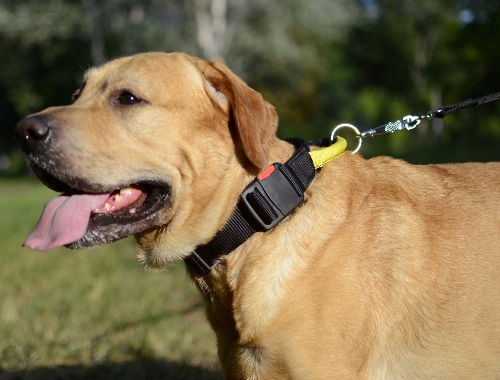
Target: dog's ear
{"x":256,"y":120}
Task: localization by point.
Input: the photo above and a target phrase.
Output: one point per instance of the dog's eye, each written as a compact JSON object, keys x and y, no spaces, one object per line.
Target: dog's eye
{"x":127,"y":98}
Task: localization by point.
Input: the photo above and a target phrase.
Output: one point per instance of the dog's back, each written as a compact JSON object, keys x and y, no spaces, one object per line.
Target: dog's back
{"x":400,"y":273}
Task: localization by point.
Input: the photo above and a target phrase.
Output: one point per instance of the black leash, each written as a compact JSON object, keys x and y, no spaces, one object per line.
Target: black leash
{"x":410,"y":122}
{"x":443,"y":111}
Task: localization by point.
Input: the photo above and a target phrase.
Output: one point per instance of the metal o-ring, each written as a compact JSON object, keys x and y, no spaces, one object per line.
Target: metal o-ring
{"x":346,"y":125}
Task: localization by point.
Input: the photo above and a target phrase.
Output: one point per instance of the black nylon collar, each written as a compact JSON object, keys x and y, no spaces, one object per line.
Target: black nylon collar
{"x":272,"y":196}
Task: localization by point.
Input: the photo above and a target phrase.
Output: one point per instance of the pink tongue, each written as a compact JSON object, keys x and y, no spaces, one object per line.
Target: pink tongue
{"x":64,"y":220}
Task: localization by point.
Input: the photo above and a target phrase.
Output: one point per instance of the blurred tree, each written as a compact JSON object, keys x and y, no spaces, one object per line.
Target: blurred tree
{"x":320,"y":62}
{"x":216,"y":24}
{"x":399,"y":50}
{"x":282,"y":48}
{"x":414,"y":55}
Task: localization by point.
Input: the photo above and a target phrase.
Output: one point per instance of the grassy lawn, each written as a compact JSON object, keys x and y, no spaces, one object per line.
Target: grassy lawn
{"x":92,"y":314}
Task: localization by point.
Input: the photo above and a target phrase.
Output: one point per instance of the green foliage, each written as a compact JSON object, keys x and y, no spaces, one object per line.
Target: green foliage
{"x":413,"y":56}
{"x":319,"y":62}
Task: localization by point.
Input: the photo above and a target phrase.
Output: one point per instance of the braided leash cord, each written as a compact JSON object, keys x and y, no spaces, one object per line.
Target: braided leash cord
{"x":443,"y":111}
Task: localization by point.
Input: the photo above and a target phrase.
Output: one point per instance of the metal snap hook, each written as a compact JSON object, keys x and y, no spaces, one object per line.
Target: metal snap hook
{"x":346,"y":125}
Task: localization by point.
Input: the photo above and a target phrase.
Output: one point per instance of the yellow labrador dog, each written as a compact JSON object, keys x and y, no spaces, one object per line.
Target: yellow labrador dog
{"x":385,"y":270}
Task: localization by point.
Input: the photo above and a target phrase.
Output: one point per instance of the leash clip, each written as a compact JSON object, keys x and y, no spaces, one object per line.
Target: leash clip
{"x":411,"y":122}
{"x":408,"y":122}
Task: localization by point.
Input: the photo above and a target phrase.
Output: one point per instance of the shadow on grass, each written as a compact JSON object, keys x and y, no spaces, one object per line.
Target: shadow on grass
{"x":143,"y":369}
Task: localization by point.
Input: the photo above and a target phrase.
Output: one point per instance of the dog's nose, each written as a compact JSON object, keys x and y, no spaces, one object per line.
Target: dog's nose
{"x":32,"y":131}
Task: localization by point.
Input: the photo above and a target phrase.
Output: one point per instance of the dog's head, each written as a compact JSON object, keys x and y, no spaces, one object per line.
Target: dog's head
{"x":156,"y":145}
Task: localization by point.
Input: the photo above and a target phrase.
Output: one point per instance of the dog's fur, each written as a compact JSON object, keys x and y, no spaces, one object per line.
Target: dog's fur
{"x":386,"y":271}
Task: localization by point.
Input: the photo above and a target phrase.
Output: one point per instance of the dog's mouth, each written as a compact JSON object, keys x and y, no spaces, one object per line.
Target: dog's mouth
{"x":86,"y":215}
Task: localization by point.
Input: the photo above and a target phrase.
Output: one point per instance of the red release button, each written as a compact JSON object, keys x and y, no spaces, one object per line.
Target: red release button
{"x":266,"y":173}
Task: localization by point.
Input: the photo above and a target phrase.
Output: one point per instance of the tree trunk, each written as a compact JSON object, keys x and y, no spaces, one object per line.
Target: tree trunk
{"x":95,"y":33}
{"x":211,"y":22}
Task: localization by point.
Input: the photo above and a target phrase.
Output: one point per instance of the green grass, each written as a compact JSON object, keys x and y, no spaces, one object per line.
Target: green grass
{"x":92,"y":314}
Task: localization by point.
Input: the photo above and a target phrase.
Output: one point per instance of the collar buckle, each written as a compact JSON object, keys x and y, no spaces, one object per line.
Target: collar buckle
{"x":273,"y":195}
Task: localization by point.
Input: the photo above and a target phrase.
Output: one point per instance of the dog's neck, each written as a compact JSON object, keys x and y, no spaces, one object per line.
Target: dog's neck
{"x":220,"y":286}
{"x":280,"y":151}
{"x":269,"y":198}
